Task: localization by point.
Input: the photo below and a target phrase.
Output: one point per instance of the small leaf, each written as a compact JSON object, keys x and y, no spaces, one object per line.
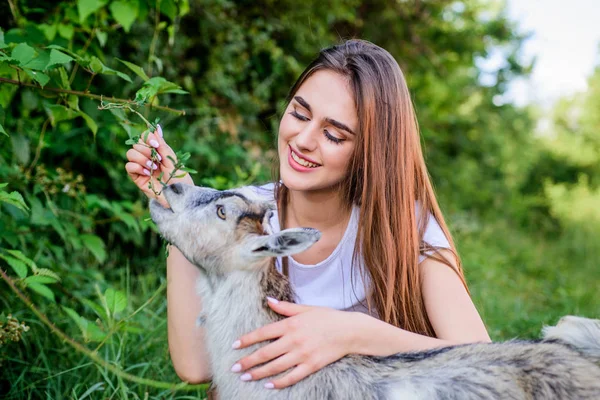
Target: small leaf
{"x":139,"y":71}
{"x":17,"y":265}
{"x":90,"y":123}
{"x":46,"y":272}
{"x":38,"y":76}
{"x":58,"y":113}
{"x":57,"y":57}
{"x":39,"y":62}
{"x":102,"y":37}
{"x":87,"y":7}
{"x":39,"y":279}
{"x":95,"y":245}
{"x":23,"y":53}
{"x":49,"y":31}
{"x":124,"y":12}
{"x":43,"y":290}
{"x":98,"y":309}
{"x":116,"y":301}
{"x":15,"y":199}
{"x":2,"y":130}
{"x":66,"y":31}
{"x":2,"y":44}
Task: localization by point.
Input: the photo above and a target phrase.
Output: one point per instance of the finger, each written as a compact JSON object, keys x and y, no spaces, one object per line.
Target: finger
{"x":156,"y":140}
{"x":294,"y":376}
{"x":263,"y":355}
{"x":146,"y":151}
{"x":135,"y":156}
{"x":137,"y":172}
{"x":277,"y":366}
{"x":286,"y":308}
{"x":267,"y":332}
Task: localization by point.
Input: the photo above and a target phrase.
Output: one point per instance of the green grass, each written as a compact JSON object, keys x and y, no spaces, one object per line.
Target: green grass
{"x":519,"y":281}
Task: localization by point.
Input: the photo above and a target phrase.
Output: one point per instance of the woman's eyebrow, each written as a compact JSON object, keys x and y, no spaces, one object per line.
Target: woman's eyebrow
{"x":333,"y":122}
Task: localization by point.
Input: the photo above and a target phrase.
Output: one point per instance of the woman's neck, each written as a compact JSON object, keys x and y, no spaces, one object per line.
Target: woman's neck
{"x":320,"y":210}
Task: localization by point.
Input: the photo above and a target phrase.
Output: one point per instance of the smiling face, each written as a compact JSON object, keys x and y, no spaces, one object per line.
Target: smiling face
{"x":317,"y":133}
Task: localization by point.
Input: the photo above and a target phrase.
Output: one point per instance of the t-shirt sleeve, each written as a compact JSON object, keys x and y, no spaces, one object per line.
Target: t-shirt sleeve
{"x":434,"y":236}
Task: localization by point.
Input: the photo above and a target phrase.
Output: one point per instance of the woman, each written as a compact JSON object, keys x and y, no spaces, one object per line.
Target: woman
{"x":385,"y":276}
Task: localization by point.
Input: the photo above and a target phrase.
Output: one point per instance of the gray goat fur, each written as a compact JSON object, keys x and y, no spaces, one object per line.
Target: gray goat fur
{"x":227,"y":236}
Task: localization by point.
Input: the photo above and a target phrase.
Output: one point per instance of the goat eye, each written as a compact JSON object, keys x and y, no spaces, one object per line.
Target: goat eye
{"x":221,"y":212}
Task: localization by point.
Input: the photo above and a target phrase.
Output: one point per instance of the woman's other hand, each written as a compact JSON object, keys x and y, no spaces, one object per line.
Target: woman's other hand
{"x":141,"y":168}
{"x":310,"y":339}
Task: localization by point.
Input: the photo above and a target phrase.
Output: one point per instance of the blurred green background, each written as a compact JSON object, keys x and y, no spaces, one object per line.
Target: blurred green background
{"x":521,"y":199}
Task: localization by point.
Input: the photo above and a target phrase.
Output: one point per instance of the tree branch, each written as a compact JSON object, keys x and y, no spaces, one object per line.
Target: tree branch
{"x":90,"y":95}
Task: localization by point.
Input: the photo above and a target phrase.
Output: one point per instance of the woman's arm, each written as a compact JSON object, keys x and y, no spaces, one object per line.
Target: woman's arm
{"x":449,"y":309}
{"x":186,"y":340}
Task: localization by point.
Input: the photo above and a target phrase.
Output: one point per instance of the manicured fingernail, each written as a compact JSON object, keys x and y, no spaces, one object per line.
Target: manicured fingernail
{"x":159,"y":130}
{"x":246,"y":377}
{"x":154,"y":143}
{"x":236,"y":367}
{"x":272,"y":300}
{"x":236,"y":344}
{"x":159,"y":157}
{"x":146,"y":172}
{"x":269,"y":385}
{"x":151,"y":165}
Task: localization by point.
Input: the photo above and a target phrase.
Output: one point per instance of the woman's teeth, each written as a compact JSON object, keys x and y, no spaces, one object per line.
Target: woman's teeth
{"x":303,"y":162}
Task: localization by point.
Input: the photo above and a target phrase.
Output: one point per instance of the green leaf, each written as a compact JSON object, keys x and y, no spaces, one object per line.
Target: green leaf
{"x":96,"y":246}
{"x":90,"y":123}
{"x":116,"y":301}
{"x":2,"y":130}
{"x":102,"y":37}
{"x":58,"y":113}
{"x":139,"y":71}
{"x":66,"y":31}
{"x":17,"y":265}
{"x":23,"y":53}
{"x":87,"y":7}
{"x":2,"y":44}
{"x":157,"y":85}
{"x":97,"y":67}
{"x":38,"y":279}
{"x":64,"y":78}
{"x":46,"y":272}
{"x":38,"y":76}
{"x":98,"y":309}
{"x":49,"y":31}
{"x":90,"y":331}
{"x":58,"y":57}
{"x":125,"y":12}
{"x":15,"y":199}
{"x":40,"y":62}
{"x":43,"y":290}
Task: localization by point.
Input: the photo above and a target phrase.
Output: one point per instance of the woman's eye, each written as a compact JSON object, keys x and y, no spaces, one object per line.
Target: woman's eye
{"x":332,"y":138}
{"x":221,"y":212}
{"x":299,"y":116}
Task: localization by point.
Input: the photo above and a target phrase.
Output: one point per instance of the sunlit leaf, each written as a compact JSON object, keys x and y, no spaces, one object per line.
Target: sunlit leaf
{"x":42,"y":290}
{"x":95,"y":245}
{"x":124,"y":12}
{"x":139,"y":71}
{"x":87,"y":7}
{"x":116,"y":301}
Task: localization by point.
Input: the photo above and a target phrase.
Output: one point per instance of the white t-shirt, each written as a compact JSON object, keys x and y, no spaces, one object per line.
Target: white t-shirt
{"x":335,"y":282}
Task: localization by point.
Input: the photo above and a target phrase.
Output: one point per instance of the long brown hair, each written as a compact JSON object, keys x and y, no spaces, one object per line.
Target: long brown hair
{"x":387,"y":180}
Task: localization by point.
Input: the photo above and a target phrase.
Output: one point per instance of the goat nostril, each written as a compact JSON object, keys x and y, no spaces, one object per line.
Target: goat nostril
{"x":176,"y":188}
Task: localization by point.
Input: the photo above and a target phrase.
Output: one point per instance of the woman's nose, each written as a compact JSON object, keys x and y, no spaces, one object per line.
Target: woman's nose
{"x":306,"y":139}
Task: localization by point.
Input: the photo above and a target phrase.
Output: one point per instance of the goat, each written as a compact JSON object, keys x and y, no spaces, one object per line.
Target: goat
{"x":226,"y":234}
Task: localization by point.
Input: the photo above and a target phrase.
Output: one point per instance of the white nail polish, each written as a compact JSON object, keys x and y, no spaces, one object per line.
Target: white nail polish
{"x":236,"y":367}
{"x":159,"y":157}
{"x":272,"y":300}
{"x":154,"y":143}
{"x":246,"y":377}
{"x":149,"y":164}
{"x":269,"y":385}
{"x":236,"y":344}
{"x":146,"y":172}
{"x":159,"y":130}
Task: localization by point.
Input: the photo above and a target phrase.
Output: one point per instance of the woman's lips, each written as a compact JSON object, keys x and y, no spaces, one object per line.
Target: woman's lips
{"x":296,"y":165}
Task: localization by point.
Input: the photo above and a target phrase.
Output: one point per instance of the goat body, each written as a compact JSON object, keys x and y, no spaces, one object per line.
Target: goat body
{"x":235,"y":255}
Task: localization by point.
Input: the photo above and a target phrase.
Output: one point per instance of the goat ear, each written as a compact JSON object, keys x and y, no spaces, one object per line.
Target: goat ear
{"x":285,"y":243}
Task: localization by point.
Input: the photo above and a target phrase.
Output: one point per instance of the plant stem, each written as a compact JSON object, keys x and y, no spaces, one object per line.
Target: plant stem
{"x":82,"y":349}
{"x":89,"y":95}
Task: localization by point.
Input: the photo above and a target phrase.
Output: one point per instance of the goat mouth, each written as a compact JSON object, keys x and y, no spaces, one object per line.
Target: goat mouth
{"x":157,"y":209}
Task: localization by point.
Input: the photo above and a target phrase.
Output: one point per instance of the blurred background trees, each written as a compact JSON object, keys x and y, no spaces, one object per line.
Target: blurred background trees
{"x":520,"y":188}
